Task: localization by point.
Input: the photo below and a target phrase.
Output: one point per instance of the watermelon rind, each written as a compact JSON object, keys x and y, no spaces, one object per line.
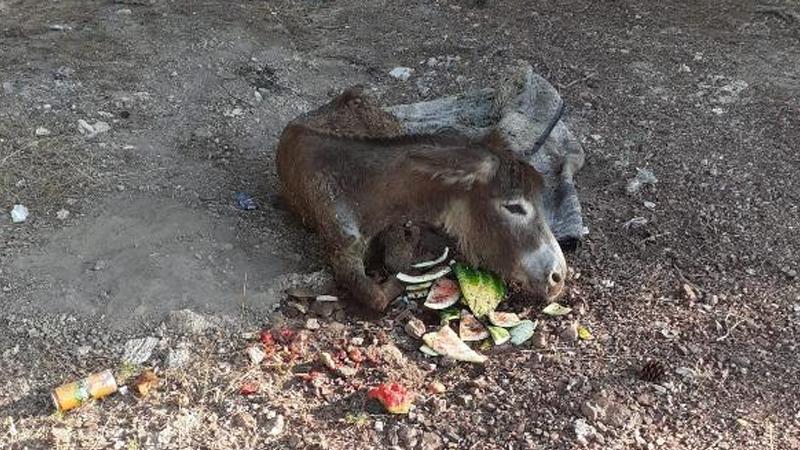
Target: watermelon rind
{"x":425,"y":277}
{"x":446,"y":343}
{"x":482,"y":291}
{"x":449,"y":314}
{"x":471,"y":329}
{"x":555,"y":309}
{"x":439,"y":260}
{"x":499,"y":335}
{"x":436,"y":296}
{"x":503,"y":319}
{"x":522,"y":332}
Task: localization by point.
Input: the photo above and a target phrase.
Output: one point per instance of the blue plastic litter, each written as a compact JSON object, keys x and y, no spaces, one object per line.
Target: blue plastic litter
{"x":245,"y":201}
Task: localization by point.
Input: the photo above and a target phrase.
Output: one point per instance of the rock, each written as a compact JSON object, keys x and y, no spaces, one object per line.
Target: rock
{"x":391,"y":355}
{"x":436,"y":387}
{"x":187,"y":322}
{"x":407,"y":436}
{"x":583,"y":431}
{"x":327,"y":360}
{"x":415,"y":328}
{"x":347,"y":371}
{"x":466,"y":400}
{"x":100,"y":265}
{"x":19,"y":214}
{"x":62,"y":214}
{"x":323,"y":309}
{"x":42,"y":131}
{"x":84,"y":350}
{"x":570,"y":332}
{"x":124,"y":12}
{"x":256,"y":354}
{"x":8,"y":88}
{"x":178,"y":357}
{"x":257,"y":95}
{"x":430,"y":441}
{"x":244,"y":419}
{"x":643,"y":177}
{"x":277,"y":426}
{"x":138,"y":351}
{"x":645,"y":399}
{"x":101,"y":127}
{"x":379,"y":425}
{"x":312,"y":324}
{"x":401,"y":73}
{"x":649,"y":205}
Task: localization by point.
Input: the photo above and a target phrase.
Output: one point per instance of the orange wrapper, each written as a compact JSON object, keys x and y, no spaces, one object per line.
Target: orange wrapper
{"x":71,"y":395}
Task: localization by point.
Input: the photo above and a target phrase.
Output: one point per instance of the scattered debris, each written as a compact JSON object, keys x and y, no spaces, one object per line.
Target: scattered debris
{"x":244,"y":419}
{"x":244,"y":201}
{"x":584,"y":334}
{"x":256,"y":354}
{"x":138,"y":351}
{"x":394,"y":397}
{"x":42,"y":131}
{"x":278,"y":426}
{"x":62,"y":214}
{"x":327,"y":298}
{"x":312,"y":324}
{"x":555,"y":309}
{"x":95,"y":386}
{"x":436,"y":387}
{"x":92,"y":130}
{"x":636,"y":222}
{"x":583,"y":431}
{"x":643,"y":177}
{"x":689,"y":293}
{"x":178,"y":357}
{"x":19,"y":214}
{"x":649,"y":205}
{"x":401,"y":73}
{"x":145,"y":382}
{"x":187,"y":322}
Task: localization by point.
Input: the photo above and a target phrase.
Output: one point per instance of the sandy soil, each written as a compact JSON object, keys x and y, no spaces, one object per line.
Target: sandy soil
{"x":704,"y":94}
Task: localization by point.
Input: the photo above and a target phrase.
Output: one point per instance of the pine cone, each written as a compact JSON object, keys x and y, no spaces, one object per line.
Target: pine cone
{"x":653,"y":372}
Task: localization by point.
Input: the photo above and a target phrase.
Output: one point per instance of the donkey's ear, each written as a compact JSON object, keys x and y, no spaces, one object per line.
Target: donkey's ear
{"x":463,"y":166}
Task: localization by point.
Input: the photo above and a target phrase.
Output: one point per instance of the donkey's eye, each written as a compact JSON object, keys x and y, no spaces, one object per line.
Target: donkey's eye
{"x":515,"y":208}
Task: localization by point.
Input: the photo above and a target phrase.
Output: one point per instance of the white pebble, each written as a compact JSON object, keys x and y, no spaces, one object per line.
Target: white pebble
{"x":401,"y":73}
{"x":19,"y":214}
{"x":42,"y":131}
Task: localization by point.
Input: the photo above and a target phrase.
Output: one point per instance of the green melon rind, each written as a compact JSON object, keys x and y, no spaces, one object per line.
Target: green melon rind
{"x":496,"y":319}
{"x":522,"y":332}
{"x":499,"y":335}
{"x":482,"y":291}
{"x":452,"y":300}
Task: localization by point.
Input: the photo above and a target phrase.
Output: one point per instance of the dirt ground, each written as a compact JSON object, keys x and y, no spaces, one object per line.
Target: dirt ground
{"x":195,"y":94}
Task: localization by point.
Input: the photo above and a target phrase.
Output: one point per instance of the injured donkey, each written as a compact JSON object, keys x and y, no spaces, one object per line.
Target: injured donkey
{"x":355,"y":188}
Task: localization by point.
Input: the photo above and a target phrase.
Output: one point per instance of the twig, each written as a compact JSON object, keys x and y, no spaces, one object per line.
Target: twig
{"x":728,"y":332}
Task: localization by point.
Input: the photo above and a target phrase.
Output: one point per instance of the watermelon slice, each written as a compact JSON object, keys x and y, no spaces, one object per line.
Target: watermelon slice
{"x":443,"y":294}
{"x":503,"y":319}
{"x":482,"y":290}
{"x":522,"y":332}
{"x":554,"y":309}
{"x":446,"y":343}
{"x":448,"y":315}
{"x":439,"y":260}
{"x":470,"y":328}
{"x":428,"y":351}
{"x":424,"y":278}
{"x":499,"y":335}
{"x":394,"y":397}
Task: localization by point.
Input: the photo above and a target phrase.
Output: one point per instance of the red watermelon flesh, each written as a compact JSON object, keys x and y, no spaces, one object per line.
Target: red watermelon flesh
{"x":444,"y":293}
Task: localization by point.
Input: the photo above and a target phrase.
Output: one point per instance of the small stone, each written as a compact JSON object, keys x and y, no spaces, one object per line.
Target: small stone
{"x":401,"y":73}
{"x":466,"y":400}
{"x":583,"y":431}
{"x":62,"y":214}
{"x":84,"y":350}
{"x":645,"y":399}
{"x":178,"y":357}
{"x":430,"y":441}
{"x":19,"y":214}
{"x":138,"y":351}
{"x":327,"y":360}
{"x":718,"y":111}
{"x":124,"y":12}
{"x":312,"y":324}
{"x":683,"y":68}
{"x":187,"y":321}
{"x":379,"y":425}
{"x":347,"y":371}
{"x":540,"y":340}
{"x":259,"y":98}
{"x":415,"y":328}
{"x":689,"y":292}
{"x":391,"y":355}
{"x":570,"y":332}
{"x":244,"y":419}
{"x":100,"y":265}
{"x":649,"y":205}
{"x":42,"y":131}
{"x":436,"y":387}
{"x":101,"y":127}
{"x":277,"y":427}
{"x":256,"y":354}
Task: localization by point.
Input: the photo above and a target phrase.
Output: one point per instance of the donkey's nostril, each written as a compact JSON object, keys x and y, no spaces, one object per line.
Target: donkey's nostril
{"x":555,"y":278}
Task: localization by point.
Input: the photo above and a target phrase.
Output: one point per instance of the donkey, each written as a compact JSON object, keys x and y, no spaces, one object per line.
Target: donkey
{"x":351,"y":186}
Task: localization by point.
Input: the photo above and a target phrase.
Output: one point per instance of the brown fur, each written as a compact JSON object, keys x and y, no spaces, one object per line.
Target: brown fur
{"x":351,"y":186}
